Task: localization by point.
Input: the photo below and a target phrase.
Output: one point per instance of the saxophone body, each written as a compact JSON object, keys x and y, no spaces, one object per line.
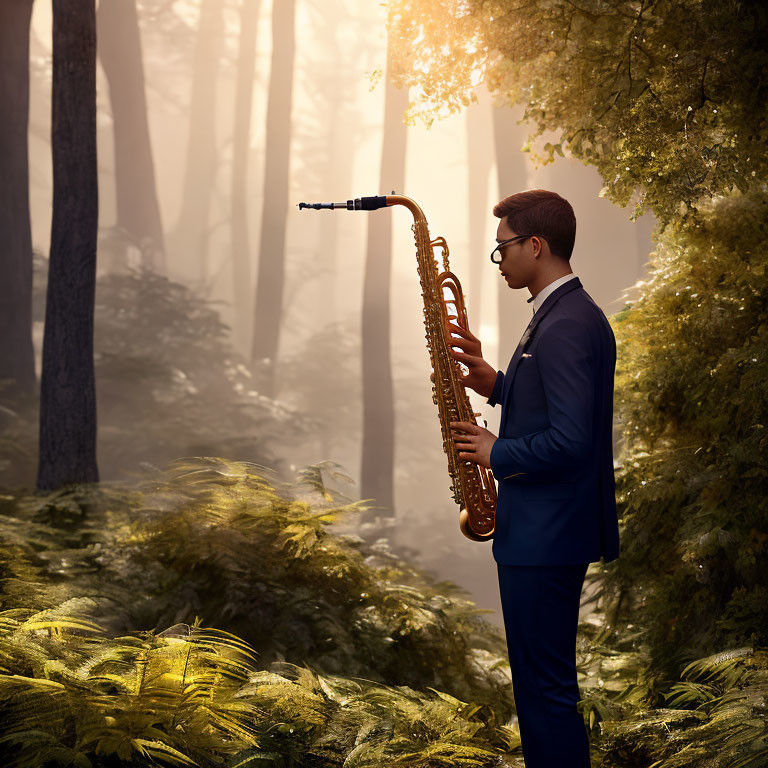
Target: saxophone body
{"x":473,"y":486}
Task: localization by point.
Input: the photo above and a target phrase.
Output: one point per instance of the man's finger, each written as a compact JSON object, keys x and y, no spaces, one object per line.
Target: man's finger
{"x":465,"y":333}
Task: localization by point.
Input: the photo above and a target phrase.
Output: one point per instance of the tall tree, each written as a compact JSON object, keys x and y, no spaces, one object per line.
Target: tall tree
{"x":377,"y":465}
{"x":138,"y":210}
{"x":17,"y":356}
{"x":67,"y":387}
{"x":268,"y":306}
{"x":341,"y":121}
{"x":479,"y":164}
{"x":333,"y":105}
{"x":511,"y":175}
{"x":324,"y":153}
{"x":241,"y":248}
{"x":190,"y":238}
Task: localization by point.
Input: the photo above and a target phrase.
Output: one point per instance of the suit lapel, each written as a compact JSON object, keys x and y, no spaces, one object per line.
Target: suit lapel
{"x":525,"y":341}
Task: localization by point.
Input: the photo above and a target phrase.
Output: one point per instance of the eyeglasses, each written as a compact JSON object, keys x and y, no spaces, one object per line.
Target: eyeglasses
{"x":506,"y":242}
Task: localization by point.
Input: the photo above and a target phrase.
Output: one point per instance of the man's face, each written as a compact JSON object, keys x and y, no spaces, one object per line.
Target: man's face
{"x":519,"y":264}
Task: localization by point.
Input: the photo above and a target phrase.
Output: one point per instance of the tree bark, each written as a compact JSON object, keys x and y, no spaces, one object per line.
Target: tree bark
{"x":191,"y":236}
{"x":377,"y":470}
{"x":241,"y":247}
{"x":17,"y":355}
{"x":268,"y":312}
{"x":67,"y":389}
{"x":138,"y":210}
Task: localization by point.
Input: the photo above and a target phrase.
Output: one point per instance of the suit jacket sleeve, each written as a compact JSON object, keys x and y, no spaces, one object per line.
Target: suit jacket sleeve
{"x":497,"y":389}
{"x":568,"y":371}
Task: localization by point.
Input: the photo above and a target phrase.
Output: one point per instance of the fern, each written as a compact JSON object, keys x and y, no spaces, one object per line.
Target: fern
{"x":193,"y":696}
{"x":224,"y":540}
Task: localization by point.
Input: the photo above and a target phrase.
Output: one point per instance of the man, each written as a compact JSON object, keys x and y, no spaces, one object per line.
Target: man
{"x":553,"y":460}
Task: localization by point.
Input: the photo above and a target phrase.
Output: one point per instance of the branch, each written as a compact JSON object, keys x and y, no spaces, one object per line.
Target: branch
{"x":704,"y":96}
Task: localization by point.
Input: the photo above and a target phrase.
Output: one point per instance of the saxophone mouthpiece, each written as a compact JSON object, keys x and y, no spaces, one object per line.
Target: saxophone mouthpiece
{"x":318,"y":206}
{"x":358,"y":204}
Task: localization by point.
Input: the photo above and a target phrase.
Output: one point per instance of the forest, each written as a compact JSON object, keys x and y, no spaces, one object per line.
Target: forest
{"x":226,"y":531}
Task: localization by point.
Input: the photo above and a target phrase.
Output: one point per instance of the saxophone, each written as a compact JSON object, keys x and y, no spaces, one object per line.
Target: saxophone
{"x":473,"y":487}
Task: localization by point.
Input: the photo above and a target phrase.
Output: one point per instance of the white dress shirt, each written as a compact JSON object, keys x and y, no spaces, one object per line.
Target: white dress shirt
{"x":538,"y":299}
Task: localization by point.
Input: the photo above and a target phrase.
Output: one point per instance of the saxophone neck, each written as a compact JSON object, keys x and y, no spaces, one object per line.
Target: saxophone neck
{"x":371,"y":204}
{"x":411,"y":205}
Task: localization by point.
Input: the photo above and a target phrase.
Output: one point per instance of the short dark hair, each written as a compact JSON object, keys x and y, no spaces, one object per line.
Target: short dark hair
{"x":540,"y":212}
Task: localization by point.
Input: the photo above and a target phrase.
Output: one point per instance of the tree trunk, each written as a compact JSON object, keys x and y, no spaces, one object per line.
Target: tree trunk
{"x":67,"y":388}
{"x":479,"y":163}
{"x":17,"y":354}
{"x":377,"y":470}
{"x":514,"y":315}
{"x":191,"y":236}
{"x":329,"y":163}
{"x":138,"y":210}
{"x":271,"y":272}
{"x":241,"y":248}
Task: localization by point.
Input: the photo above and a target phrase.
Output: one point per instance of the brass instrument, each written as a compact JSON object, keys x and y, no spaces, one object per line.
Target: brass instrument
{"x":473,"y":486}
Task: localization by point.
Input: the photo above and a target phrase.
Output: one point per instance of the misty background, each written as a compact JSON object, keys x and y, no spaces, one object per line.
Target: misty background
{"x":247,"y":114}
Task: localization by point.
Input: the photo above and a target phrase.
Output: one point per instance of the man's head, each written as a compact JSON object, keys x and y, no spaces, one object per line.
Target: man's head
{"x":546,"y":227}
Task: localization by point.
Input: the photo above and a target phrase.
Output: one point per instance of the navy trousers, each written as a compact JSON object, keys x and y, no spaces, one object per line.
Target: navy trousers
{"x":540,"y":604}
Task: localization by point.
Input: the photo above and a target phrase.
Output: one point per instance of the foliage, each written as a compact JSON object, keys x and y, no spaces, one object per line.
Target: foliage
{"x":166,"y":371}
{"x":192,"y":695}
{"x":677,"y":117}
{"x":219,"y":539}
{"x":19,"y":431}
{"x":715,"y":716}
{"x":69,"y":694}
{"x":320,"y":378}
{"x":169,"y":384}
{"x":693,"y":487}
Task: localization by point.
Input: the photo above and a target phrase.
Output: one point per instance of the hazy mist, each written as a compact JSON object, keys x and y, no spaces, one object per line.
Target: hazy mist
{"x":193,"y":69}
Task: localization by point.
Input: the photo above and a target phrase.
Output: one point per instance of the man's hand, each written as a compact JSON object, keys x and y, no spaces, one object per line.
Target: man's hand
{"x":475,"y":442}
{"x":481,"y":376}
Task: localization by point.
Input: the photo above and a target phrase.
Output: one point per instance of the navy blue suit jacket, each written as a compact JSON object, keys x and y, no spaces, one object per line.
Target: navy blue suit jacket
{"x":553,"y":458}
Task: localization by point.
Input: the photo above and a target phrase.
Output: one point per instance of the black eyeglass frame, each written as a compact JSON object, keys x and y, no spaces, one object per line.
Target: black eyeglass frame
{"x":511,"y":240}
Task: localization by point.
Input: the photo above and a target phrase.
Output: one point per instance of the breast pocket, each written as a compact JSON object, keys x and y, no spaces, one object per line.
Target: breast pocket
{"x":527,"y":399}
{"x":549,"y":491}
{"x":527,"y":374}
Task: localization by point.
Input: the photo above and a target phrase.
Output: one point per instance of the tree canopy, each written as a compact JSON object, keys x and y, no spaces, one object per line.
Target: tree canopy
{"x":667,"y":98}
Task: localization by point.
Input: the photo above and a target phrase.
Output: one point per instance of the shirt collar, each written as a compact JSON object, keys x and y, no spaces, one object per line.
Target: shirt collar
{"x":539,"y":298}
